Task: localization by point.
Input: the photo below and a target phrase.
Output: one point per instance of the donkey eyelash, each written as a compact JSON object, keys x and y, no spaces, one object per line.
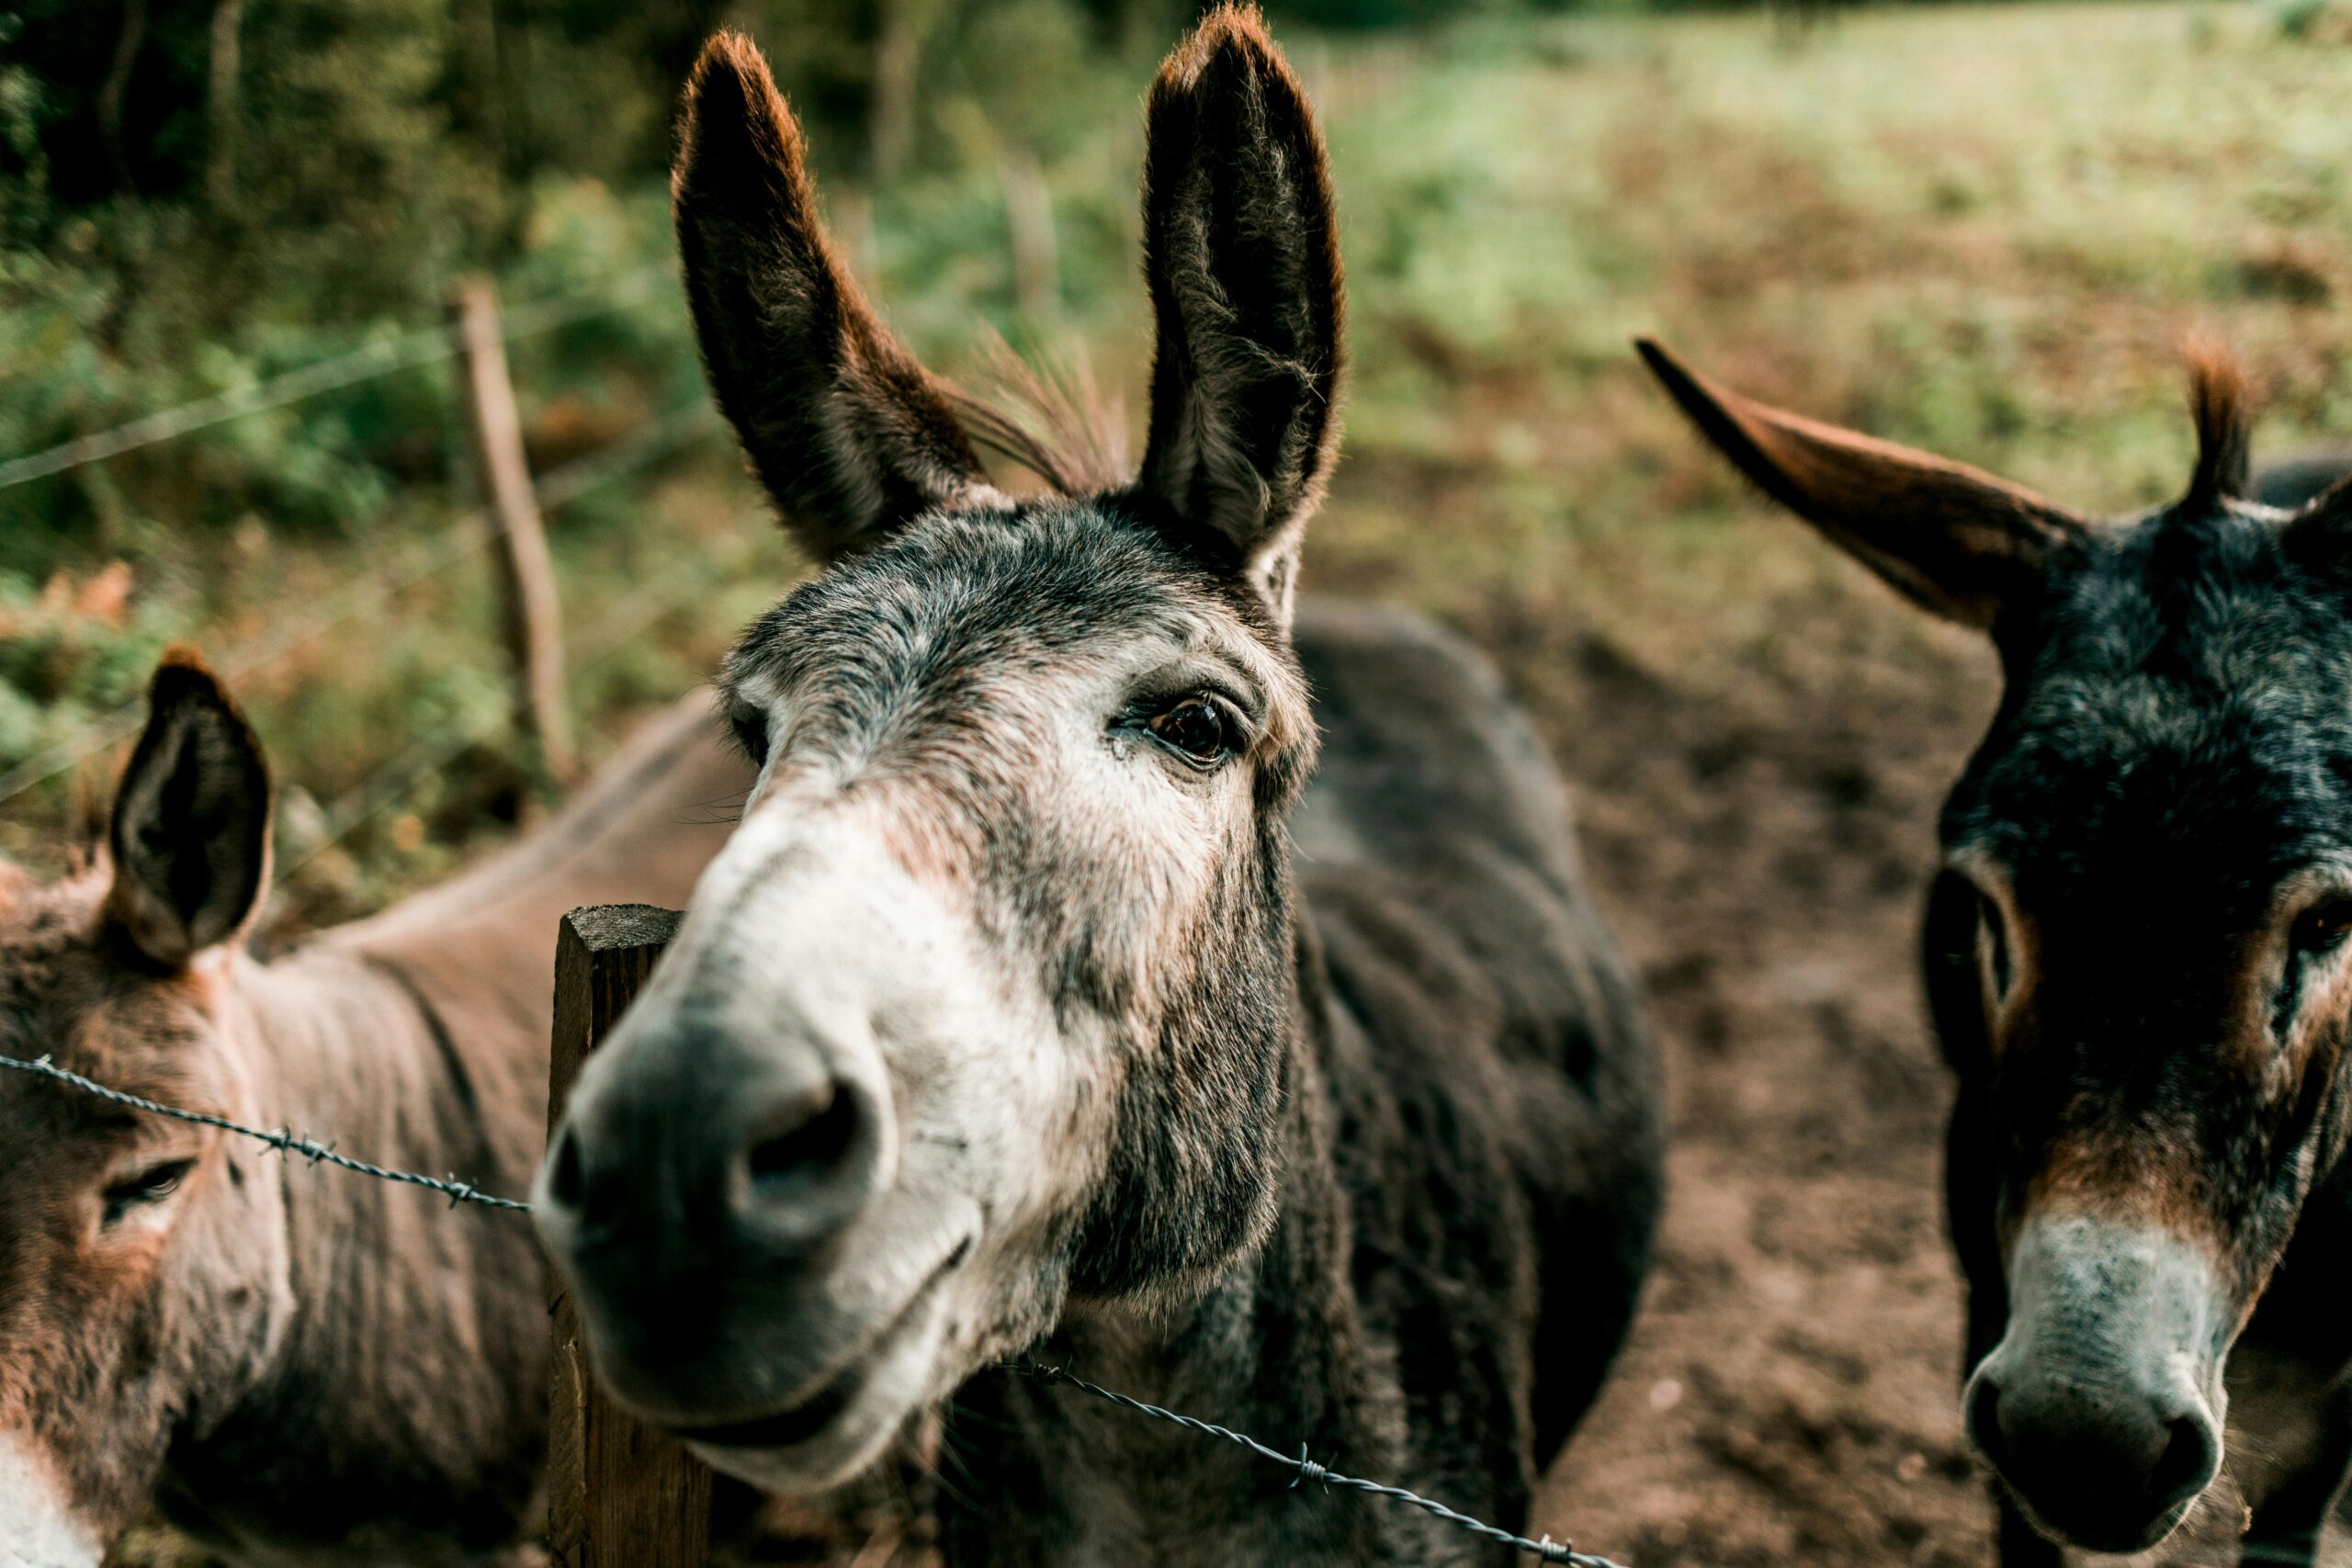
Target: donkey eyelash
{"x":1139,"y":713}
{"x":150,"y":1186}
{"x":1201,"y":728}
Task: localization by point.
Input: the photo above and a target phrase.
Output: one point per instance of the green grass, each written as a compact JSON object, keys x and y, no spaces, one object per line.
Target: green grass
{"x":1986,"y":230}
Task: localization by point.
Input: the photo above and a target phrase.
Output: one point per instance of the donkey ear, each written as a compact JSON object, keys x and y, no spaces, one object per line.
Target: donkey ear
{"x":849,"y":434}
{"x":190,"y":834}
{"x":1243,"y":253}
{"x":2318,"y":535}
{"x":1953,"y":539}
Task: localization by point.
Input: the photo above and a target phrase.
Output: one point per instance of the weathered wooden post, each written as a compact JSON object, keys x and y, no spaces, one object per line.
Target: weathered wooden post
{"x":619,"y":1494}
{"x":526,"y":575}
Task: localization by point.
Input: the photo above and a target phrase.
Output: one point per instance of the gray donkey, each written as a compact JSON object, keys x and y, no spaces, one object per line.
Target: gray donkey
{"x":1010,"y":1021}
{"x":299,"y":1365}
{"x":2137,"y":959}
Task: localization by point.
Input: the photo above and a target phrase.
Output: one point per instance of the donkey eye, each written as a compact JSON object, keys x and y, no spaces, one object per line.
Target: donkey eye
{"x":1997,"y":942}
{"x":150,"y":1186}
{"x":1196,"y":727}
{"x":2322,"y":926}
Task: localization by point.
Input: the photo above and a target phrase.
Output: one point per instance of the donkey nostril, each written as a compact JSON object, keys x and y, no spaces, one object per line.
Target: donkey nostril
{"x":1985,"y":1419}
{"x":566,"y":1183}
{"x":815,"y":1142}
{"x":2189,"y":1459}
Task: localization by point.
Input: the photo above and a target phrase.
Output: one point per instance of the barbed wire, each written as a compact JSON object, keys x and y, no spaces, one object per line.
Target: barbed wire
{"x":1309,"y":1472}
{"x":418,"y":345}
{"x":457,"y":1191}
{"x":285,"y":1140}
{"x":394,"y":779}
{"x":472,"y":530}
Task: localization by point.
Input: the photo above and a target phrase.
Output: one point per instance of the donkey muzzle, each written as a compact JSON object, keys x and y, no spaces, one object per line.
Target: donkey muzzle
{"x":754,"y":1269}
{"x":38,"y":1528}
{"x":2100,"y":1408}
{"x":704,"y":1181}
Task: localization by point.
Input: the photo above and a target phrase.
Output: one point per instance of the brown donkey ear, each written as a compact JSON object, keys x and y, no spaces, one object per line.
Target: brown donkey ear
{"x":190,"y":834}
{"x":1241,"y":249}
{"x":1954,"y":539}
{"x":849,"y":434}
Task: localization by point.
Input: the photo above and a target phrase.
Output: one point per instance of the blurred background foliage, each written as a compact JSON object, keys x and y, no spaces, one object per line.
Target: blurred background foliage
{"x":1979,"y":228}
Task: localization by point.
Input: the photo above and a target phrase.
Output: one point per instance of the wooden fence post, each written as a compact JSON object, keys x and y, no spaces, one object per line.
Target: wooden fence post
{"x":533,"y":620}
{"x":619,"y":1494}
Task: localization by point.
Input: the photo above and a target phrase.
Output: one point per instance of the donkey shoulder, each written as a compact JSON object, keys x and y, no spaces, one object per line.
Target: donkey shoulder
{"x":1504,"y":1113}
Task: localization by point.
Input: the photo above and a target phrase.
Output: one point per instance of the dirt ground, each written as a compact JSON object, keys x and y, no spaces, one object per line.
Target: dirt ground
{"x":1762,"y":837}
{"x":1787,"y":1395}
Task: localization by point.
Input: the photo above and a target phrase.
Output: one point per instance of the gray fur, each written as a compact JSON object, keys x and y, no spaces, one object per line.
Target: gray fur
{"x":299,"y":1366}
{"x":1009,"y":1021}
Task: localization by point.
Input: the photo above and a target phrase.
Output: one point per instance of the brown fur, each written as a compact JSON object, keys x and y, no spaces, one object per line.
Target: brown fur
{"x":300,"y":1364}
{"x":882,"y":437}
{"x":2217,"y":404}
{"x":1953,"y":539}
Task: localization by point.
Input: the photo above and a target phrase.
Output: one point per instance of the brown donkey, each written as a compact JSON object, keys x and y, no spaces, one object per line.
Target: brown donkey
{"x":301,"y":1365}
{"x":2137,"y":962}
{"x":1006,"y":1022}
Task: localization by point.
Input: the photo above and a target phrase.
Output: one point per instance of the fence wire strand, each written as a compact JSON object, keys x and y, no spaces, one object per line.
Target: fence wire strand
{"x":459,"y":1191}
{"x":285,"y":1140}
{"x":472,"y":530}
{"x":391,"y":781}
{"x":1309,"y":1473}
{"x":419,"y":345}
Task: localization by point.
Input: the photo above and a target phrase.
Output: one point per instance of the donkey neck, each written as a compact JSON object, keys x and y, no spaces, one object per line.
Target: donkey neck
{"x":1273,"y":1347}
{"x":396,"y":1344}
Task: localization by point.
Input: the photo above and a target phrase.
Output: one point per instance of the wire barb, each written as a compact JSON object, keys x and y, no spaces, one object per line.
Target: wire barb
{"x":1546,"y":1549}
{"x":281,"y":1140}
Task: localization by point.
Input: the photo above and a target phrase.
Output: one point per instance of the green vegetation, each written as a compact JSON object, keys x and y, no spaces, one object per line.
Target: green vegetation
{"x":1984,"y":230}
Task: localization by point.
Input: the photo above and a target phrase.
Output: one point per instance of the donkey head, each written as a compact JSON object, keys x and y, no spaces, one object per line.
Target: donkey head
{"x":138,"y":1280}
{"x":985,"y":1010}
{"x":2136,"y":949}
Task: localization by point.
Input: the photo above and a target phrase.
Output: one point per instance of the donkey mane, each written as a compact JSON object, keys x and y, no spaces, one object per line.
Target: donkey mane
{"x":1048,"y":414}
{"x":2220,"y":402}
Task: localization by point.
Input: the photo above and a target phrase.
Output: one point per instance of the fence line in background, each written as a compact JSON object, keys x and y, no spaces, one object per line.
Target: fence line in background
{"x":472,"y":530}
{"x":390,"y":782}
{"x":285,"y":1140}
{"x":526,"y":577}
{"x":419,"y":345}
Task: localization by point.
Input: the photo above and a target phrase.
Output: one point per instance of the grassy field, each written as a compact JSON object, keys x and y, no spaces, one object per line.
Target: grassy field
{"x":1988,"y":230}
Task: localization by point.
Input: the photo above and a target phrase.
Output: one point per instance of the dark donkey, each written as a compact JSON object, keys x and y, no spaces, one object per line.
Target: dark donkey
{"x":301,"y":1365}
{"x":2136,"y":961}
{"x":1002,"y":1024}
